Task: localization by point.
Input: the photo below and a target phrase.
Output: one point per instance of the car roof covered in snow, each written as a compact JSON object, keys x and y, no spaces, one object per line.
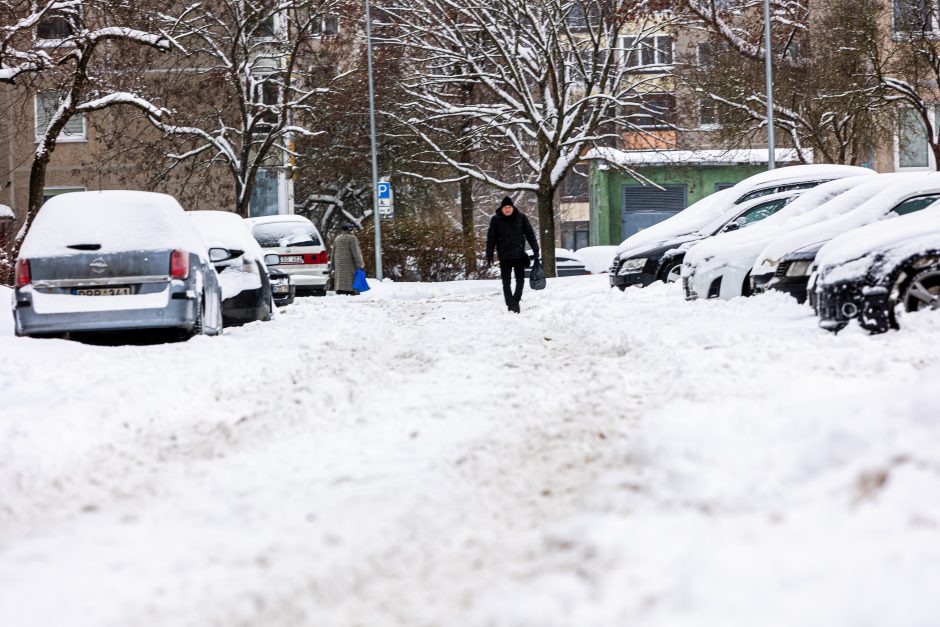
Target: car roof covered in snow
{"x":6,"y":212}
{"x":817,"y":226}
{"x":894,"y":239}
{"x":750,"y":241}
{"x":224,"y":229}
{"x":706,"y":215}
{"x":115,"y":220}
{"x":277,"y":218}
{"x":597,"y":259}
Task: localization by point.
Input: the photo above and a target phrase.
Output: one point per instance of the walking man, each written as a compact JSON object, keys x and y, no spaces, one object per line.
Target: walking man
{"x":347,"y":258}
{"x":509,"y":231}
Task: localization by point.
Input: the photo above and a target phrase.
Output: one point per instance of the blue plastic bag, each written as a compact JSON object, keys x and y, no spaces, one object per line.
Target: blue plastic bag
{"x":359,"y":283}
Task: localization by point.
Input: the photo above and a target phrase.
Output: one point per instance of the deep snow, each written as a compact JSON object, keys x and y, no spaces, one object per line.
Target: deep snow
{"x":420,"y":457}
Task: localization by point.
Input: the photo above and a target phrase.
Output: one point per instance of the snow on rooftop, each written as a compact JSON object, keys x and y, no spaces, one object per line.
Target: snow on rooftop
{"x":116,"y":220}
{"x":691,"y":157}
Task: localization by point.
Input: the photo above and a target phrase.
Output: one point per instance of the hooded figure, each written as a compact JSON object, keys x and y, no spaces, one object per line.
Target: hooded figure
{"x":347,"y":258}
{"x":509,"y":231}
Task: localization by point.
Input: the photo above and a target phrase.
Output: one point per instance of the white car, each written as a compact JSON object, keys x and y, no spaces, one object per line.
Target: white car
{"x":567,"y":263}
{"x":656,"y":253}
{"x":786,"y":263}
{"x":720,"y":266}
{"x":301,"y":251}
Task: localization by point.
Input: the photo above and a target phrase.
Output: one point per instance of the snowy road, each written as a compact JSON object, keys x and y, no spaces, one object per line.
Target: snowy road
{"x":422,"y":458}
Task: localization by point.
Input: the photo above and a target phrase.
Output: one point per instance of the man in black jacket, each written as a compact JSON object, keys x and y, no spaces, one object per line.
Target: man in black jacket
{"x":509,"y":231}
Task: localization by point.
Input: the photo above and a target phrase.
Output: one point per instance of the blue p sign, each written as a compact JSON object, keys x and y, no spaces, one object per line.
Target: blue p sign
{"x":385,"y":190}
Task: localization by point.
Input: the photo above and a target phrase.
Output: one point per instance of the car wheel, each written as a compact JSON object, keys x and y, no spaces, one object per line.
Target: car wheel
{"x":198,"y":324}
{"x":672,"y":272}
{"x":922,"y":292}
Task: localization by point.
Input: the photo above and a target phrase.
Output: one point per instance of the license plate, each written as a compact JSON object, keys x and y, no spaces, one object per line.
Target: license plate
{"x":292,"y":259}
{"x":102,"y":291}
{"x":282,"y":289}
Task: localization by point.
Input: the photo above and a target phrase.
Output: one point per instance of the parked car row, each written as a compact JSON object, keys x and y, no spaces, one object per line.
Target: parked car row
{"x":857,"y":245}
{"x":95,"y":262}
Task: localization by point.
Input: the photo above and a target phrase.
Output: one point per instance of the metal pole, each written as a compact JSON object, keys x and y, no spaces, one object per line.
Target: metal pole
{"x":768,"y":64}
{"x":375,"y":161}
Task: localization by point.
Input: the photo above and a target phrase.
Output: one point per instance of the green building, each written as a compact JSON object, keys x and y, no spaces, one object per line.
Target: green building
{"x":631,"y":190}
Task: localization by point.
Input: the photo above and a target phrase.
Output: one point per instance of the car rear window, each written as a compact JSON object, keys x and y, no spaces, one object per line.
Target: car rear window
{"x":282,"y":234}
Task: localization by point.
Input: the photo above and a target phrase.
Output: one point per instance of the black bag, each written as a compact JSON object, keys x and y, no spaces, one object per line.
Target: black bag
{"x":537,"y":276}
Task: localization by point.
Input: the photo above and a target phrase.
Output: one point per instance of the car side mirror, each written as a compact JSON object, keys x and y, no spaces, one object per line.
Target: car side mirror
{"x":271,"y":260}
{"x":219,"y":254}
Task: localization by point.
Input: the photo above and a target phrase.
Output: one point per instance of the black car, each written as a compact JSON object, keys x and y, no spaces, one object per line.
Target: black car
{"x":283,"y":289}
{"x":663,"y":262}
{"x":792,"y":274}
{"x":898,"y":273}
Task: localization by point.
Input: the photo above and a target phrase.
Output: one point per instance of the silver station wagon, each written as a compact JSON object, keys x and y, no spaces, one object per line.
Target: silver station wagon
{"x":114,"y":261}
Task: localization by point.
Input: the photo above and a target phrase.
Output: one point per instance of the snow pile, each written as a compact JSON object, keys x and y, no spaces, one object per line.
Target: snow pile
{"x":598,"y":259}
{"x":116,"y":221}
{"x":6,"y":311}
{"x":6,"y":212}
{"x":419,"y":456}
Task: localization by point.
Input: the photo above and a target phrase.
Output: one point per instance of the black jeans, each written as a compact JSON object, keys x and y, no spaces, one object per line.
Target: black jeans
{"x":506,"y":270}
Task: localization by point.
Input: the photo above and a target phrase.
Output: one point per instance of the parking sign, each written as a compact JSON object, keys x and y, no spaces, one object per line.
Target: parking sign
{"x":385,"y":190}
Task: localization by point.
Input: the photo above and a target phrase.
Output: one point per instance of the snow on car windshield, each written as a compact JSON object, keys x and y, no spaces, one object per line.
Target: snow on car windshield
{"x":110,"y":221}
{"x":280,"y":234}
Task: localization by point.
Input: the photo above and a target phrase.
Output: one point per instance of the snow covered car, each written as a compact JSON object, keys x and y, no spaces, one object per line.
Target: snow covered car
{"x":246,"y":287}
{"x":787,"y":262}
{"x":297,"y":243}
{"x":282,"y":288}
{"x":114,"y":261}
{"x":567,"y":263}
{"x":656,"y":253}
{"x":597,"y":259}
{"x":879,"y":272}
{"x":720,"y":266}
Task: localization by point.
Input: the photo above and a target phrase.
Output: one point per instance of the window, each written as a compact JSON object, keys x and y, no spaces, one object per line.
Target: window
{"x":647,"y":52}
{"x":652,"y":111}
{"x":759,"y":212}
{"x":46,"y":104}
{"x":574,"y":185}
{"x":264,"y":199}
{"x":913,"y":151}
{"x":51,"y":192}
{"x":707,"y":113}
{"x":915,"y":16}
{"x":775,"y":190}
{"x":54,"y":27}
{"x":283,"y":234}
{"x":915,"y":204}
{"x":327,"y":26}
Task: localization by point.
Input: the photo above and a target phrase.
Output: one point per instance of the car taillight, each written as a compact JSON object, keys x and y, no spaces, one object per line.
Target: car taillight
{"x":22,"y":273}
{"x":179,"y":264}
{"x":323,"y":258}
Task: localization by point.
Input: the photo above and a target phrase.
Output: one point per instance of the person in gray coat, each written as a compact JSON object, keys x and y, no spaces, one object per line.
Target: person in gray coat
{"x":347,"y":258}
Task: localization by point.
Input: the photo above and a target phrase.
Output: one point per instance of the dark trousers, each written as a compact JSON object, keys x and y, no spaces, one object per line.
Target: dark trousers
{"x":506,"y":270}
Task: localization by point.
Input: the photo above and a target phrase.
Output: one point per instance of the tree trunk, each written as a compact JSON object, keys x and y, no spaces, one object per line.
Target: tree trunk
{"x":468,"y":226}
{"x":546,"y":203}
{"x":37,"y":183}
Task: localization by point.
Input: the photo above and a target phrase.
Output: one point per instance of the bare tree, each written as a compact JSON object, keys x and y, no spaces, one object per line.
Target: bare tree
{"x":825,"y":103}
{"x":68,"y":73}
{"x":551,"y":78}
{"x":266,"y":63}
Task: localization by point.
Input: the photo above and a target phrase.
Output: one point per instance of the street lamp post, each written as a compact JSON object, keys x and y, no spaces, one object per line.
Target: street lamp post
{"x":768,"y":65}
{"x":375,"y":162}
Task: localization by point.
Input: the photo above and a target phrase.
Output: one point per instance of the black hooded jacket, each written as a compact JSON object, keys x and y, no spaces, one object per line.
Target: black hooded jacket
{"x":507,"y":236}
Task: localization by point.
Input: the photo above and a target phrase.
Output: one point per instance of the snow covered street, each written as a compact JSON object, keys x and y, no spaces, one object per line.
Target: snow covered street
{"x":420,"y":457}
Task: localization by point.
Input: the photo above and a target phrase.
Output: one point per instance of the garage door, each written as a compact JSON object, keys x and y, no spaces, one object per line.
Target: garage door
{"x":644,"y":206}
